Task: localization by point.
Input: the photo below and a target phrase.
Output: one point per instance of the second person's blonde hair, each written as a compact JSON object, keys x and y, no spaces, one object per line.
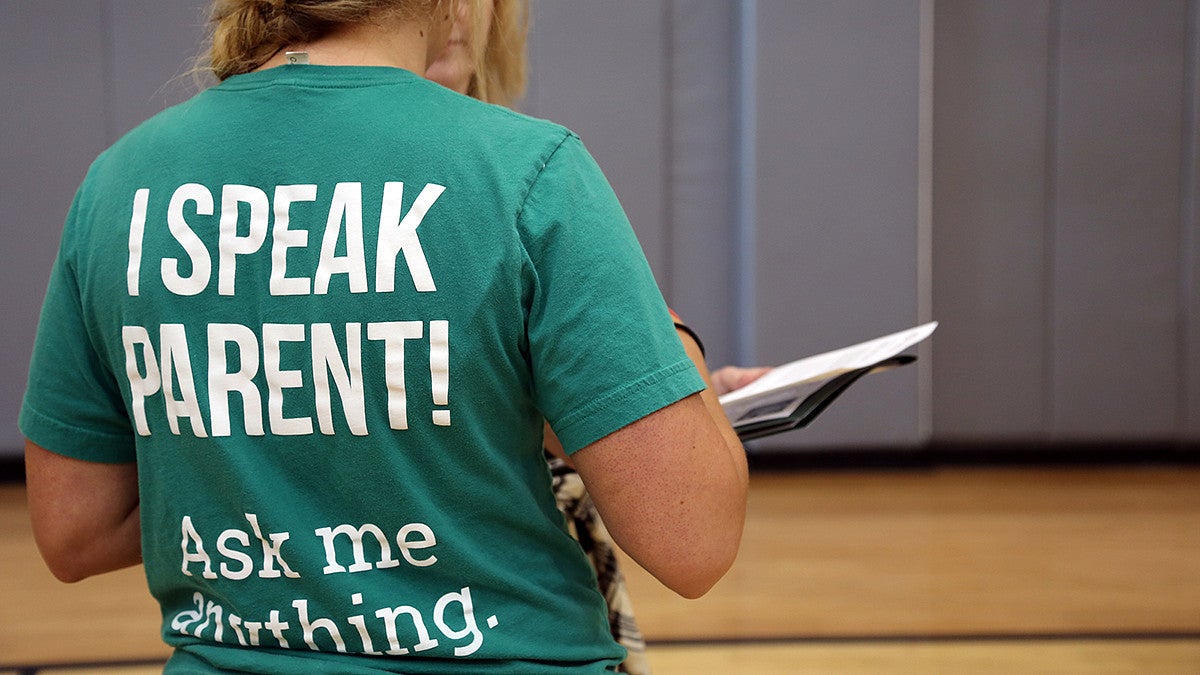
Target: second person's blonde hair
{"x":500,"y":60}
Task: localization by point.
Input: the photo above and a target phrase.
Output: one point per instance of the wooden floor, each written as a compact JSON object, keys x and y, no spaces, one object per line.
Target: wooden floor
{"x":982,"y":570}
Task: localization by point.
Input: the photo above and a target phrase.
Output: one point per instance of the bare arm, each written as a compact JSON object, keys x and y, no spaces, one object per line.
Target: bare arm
{"x":671,"y":488}
{"x":85,"y":515}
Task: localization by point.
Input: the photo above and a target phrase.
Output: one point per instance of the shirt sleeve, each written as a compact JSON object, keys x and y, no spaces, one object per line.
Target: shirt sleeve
{"x":73,"y":405}
{"x":603,"y":346}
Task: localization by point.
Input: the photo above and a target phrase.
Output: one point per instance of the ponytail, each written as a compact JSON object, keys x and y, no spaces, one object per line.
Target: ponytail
{"x":247,"y":33}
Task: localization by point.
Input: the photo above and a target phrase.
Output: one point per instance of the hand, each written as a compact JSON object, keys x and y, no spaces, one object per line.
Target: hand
{"x":729,"y":378}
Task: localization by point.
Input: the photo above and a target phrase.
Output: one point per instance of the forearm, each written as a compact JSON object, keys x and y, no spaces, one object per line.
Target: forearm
{"x":737,"y":454}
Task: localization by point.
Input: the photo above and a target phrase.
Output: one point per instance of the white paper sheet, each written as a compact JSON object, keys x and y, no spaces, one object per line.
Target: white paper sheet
{"x":822,"y":366}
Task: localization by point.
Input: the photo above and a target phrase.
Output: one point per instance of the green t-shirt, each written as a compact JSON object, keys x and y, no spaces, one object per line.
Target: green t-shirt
{"x":325,"y":310}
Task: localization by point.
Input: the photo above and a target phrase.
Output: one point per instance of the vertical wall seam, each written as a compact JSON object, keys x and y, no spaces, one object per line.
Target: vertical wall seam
{"x":1050,"y":216}
{"x":925,"y":131}
{"x":745,"y":140}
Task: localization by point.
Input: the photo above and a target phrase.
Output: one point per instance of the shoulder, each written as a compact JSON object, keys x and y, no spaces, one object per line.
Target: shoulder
{"x":495,"y":123}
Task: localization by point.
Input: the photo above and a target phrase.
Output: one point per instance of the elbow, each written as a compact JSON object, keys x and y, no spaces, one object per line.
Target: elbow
{"x":693,"y":571}
{"x":64,"y":566}
{"x":72,"y":556}
{"x":75,"y":566}
{"x":61,"y":550}
{"x":698,"y":579}
{"x":68,"y":576}
{"x":73,"y":560}
{"x":694,"y":589}
{"x":708,"y":557}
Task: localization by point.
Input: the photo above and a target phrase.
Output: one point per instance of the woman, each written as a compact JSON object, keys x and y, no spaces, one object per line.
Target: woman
{"x":486,"y":58}
{"x":311,"y":393}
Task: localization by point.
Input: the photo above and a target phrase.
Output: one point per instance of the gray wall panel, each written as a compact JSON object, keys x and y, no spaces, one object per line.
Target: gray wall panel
{"x":702,"y":176}
{"x":990,"y":268}
{"x":53,"y":68}
{"x":155,"y":48}
{"x":837,"y":199}
{"x":1115,"y":286}
{"x":1189,"y":275}
{"x":601,"y":70}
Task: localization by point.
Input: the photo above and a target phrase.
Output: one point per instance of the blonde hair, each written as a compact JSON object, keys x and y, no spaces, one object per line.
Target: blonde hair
{"x":247,"y":33}
{"x":500,"y":59}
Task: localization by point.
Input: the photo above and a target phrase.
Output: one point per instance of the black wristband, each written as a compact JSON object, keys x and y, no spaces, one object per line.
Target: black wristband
{"x":684,"y":327}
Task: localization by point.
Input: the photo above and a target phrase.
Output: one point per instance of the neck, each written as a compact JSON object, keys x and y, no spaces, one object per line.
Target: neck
{"x":406,"y":44}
